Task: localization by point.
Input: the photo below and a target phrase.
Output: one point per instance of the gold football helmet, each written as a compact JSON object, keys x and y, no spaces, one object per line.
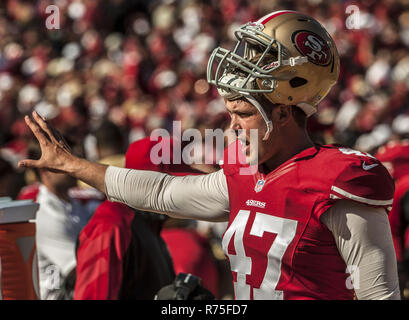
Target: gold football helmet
{"x":286,"y":55}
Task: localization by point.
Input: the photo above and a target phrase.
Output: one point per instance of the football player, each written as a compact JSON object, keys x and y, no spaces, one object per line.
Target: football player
{"x":310,"y":222}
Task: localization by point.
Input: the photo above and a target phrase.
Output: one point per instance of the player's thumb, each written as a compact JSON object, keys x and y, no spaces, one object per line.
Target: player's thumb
{"x":27,"y":163}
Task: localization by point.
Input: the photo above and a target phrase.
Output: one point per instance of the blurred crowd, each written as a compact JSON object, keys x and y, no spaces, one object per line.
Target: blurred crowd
{"x":141,"y":64}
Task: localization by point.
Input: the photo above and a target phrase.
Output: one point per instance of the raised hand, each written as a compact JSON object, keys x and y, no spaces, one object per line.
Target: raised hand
{"x":56,"y":155}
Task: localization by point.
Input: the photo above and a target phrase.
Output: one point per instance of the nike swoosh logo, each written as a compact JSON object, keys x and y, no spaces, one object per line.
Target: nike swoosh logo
{"x":369,"y":167}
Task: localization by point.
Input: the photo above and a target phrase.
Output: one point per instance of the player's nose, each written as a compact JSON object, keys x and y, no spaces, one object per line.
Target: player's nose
{"x":234,"y":123}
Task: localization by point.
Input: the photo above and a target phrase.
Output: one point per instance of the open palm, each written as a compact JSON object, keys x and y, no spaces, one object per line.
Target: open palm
{"x":55,"y":152}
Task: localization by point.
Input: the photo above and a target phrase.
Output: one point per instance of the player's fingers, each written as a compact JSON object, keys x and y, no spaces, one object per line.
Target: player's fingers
{"x":28,"y":163}
{"x":45,"y":127}
{"x":54,"y":134}
{"x":35,"y":128}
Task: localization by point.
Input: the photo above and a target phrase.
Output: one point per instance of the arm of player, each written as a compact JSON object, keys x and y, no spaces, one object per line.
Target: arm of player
{"x":364,"y":240}
{"x":56,"y":155}
{"x":203,"y":197}
{"x":196,"y":197}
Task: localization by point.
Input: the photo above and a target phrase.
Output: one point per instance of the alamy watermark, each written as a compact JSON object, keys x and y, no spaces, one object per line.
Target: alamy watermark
{"x":352,"y":282}
{"x":53,"y":277}
{"x":353,"y":22}
{"x":53,"y":19}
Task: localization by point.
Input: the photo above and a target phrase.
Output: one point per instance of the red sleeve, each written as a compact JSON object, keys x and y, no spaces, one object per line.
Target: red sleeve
{"x":362,"y":179}
{"x":99,"y":260}
{"x":367,"y":182}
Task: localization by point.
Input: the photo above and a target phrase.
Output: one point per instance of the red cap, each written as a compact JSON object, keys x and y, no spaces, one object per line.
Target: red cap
{"x":141,"y":153}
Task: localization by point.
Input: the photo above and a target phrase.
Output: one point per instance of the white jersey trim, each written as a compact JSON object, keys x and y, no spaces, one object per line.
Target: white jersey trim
{"x":358,"y":198}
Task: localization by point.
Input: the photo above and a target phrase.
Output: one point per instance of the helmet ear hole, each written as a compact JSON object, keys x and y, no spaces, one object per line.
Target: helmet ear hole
{"x":297,"y":82}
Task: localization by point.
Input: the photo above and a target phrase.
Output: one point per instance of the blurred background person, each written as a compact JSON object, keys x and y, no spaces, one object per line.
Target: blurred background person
{"x":121,"y":255}
{"x":59,"y":220}
{"x":110,"y":144}
{"x":105,"y":144}
{"x":11,"y":180}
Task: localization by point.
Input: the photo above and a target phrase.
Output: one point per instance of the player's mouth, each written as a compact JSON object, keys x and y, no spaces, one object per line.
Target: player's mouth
{"x":246,"y":145}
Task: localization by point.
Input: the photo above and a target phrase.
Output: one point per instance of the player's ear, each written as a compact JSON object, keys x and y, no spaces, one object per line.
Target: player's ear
{"x":282,"y":114}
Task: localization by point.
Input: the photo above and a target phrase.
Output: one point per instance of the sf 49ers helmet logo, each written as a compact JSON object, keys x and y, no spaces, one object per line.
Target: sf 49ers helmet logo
{"x":312,"y":46}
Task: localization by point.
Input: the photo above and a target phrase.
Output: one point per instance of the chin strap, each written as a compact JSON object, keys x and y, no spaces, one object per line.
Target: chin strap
{"x":260,"y":109}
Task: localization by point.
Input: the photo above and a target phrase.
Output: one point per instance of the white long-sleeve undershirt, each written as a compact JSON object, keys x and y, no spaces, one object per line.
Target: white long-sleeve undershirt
{"x":203,"y":197}
{"x":364,"y":240}
{"x":362,"y":233}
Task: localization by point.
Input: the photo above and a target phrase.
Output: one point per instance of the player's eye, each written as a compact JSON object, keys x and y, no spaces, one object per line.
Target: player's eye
{"x":244,"y":114}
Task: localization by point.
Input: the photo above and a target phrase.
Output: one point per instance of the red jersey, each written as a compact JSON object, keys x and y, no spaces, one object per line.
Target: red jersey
{"x":102,"y":246}
{"x":191,"y":254}
{"x":275,"y":242}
